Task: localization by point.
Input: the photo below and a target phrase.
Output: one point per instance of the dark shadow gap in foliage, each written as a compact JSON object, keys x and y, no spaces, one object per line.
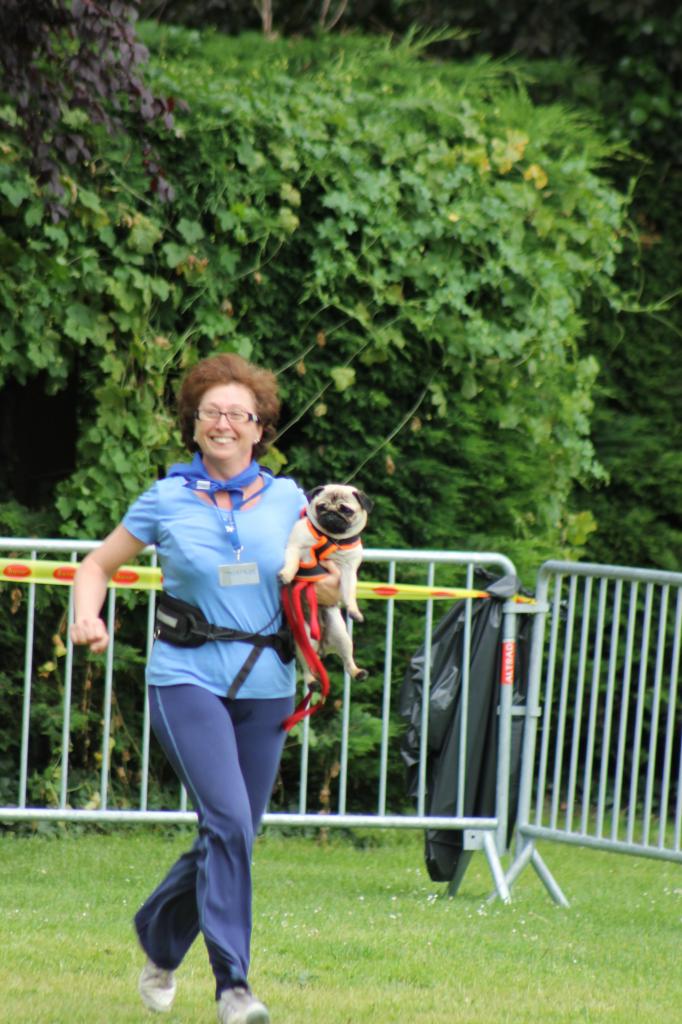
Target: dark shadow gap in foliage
{"x":38,"y":434}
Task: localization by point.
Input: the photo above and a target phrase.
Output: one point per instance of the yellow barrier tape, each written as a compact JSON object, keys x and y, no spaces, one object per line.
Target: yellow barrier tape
{"x":129,"y":577}
{"x":414,"y":592}
{"x":146,"y":577}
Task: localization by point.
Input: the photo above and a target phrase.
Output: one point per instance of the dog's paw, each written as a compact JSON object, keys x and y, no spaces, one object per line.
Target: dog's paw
{"x":356,"y":615}
{"x":361,"y":674}
{"x":284,"y":577}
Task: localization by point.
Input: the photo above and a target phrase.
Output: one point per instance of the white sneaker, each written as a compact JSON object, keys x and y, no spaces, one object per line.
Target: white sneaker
{"x":157,"y":987}
{"x":239,"y":1006}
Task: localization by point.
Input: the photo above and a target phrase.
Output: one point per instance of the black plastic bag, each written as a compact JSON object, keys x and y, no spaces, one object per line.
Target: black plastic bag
{"x":444,"y":853}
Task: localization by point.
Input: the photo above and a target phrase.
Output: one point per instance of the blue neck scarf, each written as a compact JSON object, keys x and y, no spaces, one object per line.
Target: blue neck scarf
{"x":198,"y":478}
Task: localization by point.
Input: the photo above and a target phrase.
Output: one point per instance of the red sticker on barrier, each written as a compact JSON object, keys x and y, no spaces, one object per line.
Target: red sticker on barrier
{"x":508,"y":657}
{"x":462,"y":593}
{"x":385,"y":591}
{"x":17,"y":572}
{"x":64,"y":572}
{"x":125,"y":576}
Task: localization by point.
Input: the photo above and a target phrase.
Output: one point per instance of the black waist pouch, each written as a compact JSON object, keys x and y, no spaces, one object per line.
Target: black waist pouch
{"x":180,"y":623}
{"x":183,"y":625}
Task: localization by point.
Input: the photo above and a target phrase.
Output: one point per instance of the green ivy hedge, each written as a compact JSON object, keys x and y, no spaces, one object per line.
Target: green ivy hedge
{"x":411,"y":245}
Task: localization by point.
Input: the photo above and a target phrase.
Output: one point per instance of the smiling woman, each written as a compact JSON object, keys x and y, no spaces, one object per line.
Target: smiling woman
{"x":220,"y":526}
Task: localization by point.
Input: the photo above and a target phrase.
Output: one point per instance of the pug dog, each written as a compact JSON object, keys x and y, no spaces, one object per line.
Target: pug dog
{"x":329,"y":530}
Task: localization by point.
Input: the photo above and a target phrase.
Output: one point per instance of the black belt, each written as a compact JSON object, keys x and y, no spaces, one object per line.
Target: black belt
{"x":184,"y":625}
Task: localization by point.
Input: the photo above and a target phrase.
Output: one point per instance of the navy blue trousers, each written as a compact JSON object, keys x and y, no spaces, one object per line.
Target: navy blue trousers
{"x":226,"y":754}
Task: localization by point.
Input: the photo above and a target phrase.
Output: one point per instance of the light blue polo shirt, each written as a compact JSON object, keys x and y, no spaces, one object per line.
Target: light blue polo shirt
{"x":192,"y":544}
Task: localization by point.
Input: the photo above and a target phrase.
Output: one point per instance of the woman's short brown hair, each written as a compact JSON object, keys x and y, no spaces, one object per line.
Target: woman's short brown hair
{"x":229,"y":368}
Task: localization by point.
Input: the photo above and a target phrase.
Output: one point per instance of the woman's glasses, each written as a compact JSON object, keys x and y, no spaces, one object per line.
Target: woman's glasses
{"x":234,"y":415}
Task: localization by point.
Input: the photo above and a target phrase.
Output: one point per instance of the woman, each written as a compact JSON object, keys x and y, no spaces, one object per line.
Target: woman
{"x":220,"y":526}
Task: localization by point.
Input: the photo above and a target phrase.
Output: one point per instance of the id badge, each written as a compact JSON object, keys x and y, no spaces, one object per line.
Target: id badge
{"x":238,"y":574}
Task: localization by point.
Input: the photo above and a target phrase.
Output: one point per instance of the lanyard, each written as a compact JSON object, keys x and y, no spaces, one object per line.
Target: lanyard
{"x":226,"y":516}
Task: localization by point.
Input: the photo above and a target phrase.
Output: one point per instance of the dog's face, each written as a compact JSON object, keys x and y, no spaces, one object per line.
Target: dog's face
{"x":339,"y":511}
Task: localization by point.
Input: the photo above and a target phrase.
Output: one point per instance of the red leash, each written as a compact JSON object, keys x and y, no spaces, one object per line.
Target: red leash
{"x":292,"y":602}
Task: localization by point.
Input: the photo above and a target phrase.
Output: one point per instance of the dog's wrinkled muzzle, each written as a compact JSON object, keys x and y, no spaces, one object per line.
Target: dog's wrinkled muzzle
{"x":333,"y":523}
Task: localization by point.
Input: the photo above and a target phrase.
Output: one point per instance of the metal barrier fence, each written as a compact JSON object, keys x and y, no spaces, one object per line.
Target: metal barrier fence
{"x":98,"y":802}
{"x":602,"y":759}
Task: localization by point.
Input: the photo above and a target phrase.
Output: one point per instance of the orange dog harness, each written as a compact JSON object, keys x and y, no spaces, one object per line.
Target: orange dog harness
{"x":321,"y":549}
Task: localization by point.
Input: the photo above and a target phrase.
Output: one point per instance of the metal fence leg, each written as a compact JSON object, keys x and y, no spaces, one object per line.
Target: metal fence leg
{"x":519,"y":864}
{"x":490,"y":850}
{"x":529,"y":854}
{"x":550,"y":883}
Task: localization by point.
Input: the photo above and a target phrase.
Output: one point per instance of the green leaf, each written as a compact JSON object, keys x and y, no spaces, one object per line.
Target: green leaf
{"x":175,"y":254}
{"x":339,"y":201}
{"x":15,"y":192}
{"x":190,"y":230}
{"x":343,"y":377}
{"x":160,"y":287}
{"x":250,"y":157}
{"x":286,"y":157}
{"x":125,"y":296}
{"x":469,"y":388}
{"x":288,"y":219}
{"x":290,"y":195}
{"x":274,"y":460}
{"x":144,"y":235}
{"x":9,"y":115}
{"x":74,"y":117}
{"x":84,"y":324}
{"x":34,"y":214}
{"x":90,"y":200}
{"x":438,"y":398}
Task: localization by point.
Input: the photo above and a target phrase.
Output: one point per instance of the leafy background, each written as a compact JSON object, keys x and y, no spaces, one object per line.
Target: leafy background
{"x":417,"y":270}
{"x":463,"y":267}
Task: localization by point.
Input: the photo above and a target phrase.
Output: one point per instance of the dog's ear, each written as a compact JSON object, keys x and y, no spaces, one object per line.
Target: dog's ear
{"x":315,"y":491}
{"x":365,"y":502}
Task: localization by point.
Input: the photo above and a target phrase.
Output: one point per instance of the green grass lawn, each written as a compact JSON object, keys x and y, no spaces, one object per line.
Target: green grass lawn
{"x":346,"y":933}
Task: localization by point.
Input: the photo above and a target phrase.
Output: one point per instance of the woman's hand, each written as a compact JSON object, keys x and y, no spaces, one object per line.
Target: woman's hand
{"x":328,"y":590}
{"x":92,"y":632}
{"x":90,"y":586}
